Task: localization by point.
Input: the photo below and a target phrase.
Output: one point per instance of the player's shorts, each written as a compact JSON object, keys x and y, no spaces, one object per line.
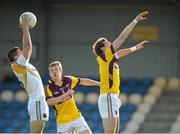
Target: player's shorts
{"x":77,"y":126}
{"x":109,"y":105}
{"x":38,"y":110}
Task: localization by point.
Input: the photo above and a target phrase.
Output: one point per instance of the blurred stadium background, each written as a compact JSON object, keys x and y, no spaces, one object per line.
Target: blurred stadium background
{"x":66,"y":30}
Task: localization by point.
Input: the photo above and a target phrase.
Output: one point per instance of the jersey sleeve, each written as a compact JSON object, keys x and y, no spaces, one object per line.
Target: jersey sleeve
{"x":22,"y":60}
{"x":98,"y":59}
{"x":48,"y":92}
{"x":109,"y":53}
{"x":75,"y":81}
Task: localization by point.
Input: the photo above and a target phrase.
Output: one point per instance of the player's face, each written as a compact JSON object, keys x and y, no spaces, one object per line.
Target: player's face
{"x":55,"y":73}
{"x":18,"y":53}
{"x":107,"y":44}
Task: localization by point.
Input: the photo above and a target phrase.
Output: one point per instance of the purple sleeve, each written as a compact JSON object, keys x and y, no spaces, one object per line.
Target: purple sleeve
{"x":79,"y":80}
{"x":112,"y":49}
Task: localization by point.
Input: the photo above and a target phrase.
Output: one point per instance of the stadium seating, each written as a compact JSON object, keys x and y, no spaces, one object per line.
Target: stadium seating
{"x":135,"y":105}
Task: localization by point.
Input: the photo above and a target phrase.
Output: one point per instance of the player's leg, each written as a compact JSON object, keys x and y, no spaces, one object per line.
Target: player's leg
{"x":77,"y":126}
{"x":118,"y":125}
{"x":110,"y":125}
{"x":39,"y":113}
{"x":81,"y":126}
{"x":66,"y":128}
{"x":87,"y":131}
{"x":109,"y":105}
{"x":37,"y":126}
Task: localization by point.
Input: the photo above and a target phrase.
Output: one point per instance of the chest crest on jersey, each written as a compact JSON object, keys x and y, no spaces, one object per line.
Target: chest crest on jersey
{"x":61,"y":90}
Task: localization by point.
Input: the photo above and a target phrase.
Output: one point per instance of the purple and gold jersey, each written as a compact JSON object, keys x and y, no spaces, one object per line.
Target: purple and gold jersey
{"x":66,"y":111}
{"x":108,"y":71}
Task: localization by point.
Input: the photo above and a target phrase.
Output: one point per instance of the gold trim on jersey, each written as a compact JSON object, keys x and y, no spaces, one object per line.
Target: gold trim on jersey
{"x":20,"y":70}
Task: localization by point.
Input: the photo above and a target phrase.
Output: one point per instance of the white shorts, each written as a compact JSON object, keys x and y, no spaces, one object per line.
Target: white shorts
{"x":77,"y":126}
{"x":109,"y":105}
{"x":38,"y":110}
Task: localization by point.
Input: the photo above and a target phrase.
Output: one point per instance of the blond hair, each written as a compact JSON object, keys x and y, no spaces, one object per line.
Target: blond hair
{"x":55,"y":63}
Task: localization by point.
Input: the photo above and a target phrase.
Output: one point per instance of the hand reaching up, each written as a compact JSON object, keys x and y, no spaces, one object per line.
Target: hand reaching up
{"x":142,"y":16}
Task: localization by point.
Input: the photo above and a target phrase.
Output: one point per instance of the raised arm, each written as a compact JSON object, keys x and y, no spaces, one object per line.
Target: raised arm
{"x":88,"y":82}
{"x":125,"y":33}
{"x":125,"y":52}
{"x":56,"y":100}
{"x":27,"y":44}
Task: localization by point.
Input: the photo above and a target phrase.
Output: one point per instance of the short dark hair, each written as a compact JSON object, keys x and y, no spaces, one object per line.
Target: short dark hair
{"x":12,"y":53}
{"x":98,"y":45}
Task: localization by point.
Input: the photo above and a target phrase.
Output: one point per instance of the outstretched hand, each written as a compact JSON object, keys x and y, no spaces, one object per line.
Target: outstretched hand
{"x":23,"y":22}
{"x":142,"y":16}
{"x":141,"y":45}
